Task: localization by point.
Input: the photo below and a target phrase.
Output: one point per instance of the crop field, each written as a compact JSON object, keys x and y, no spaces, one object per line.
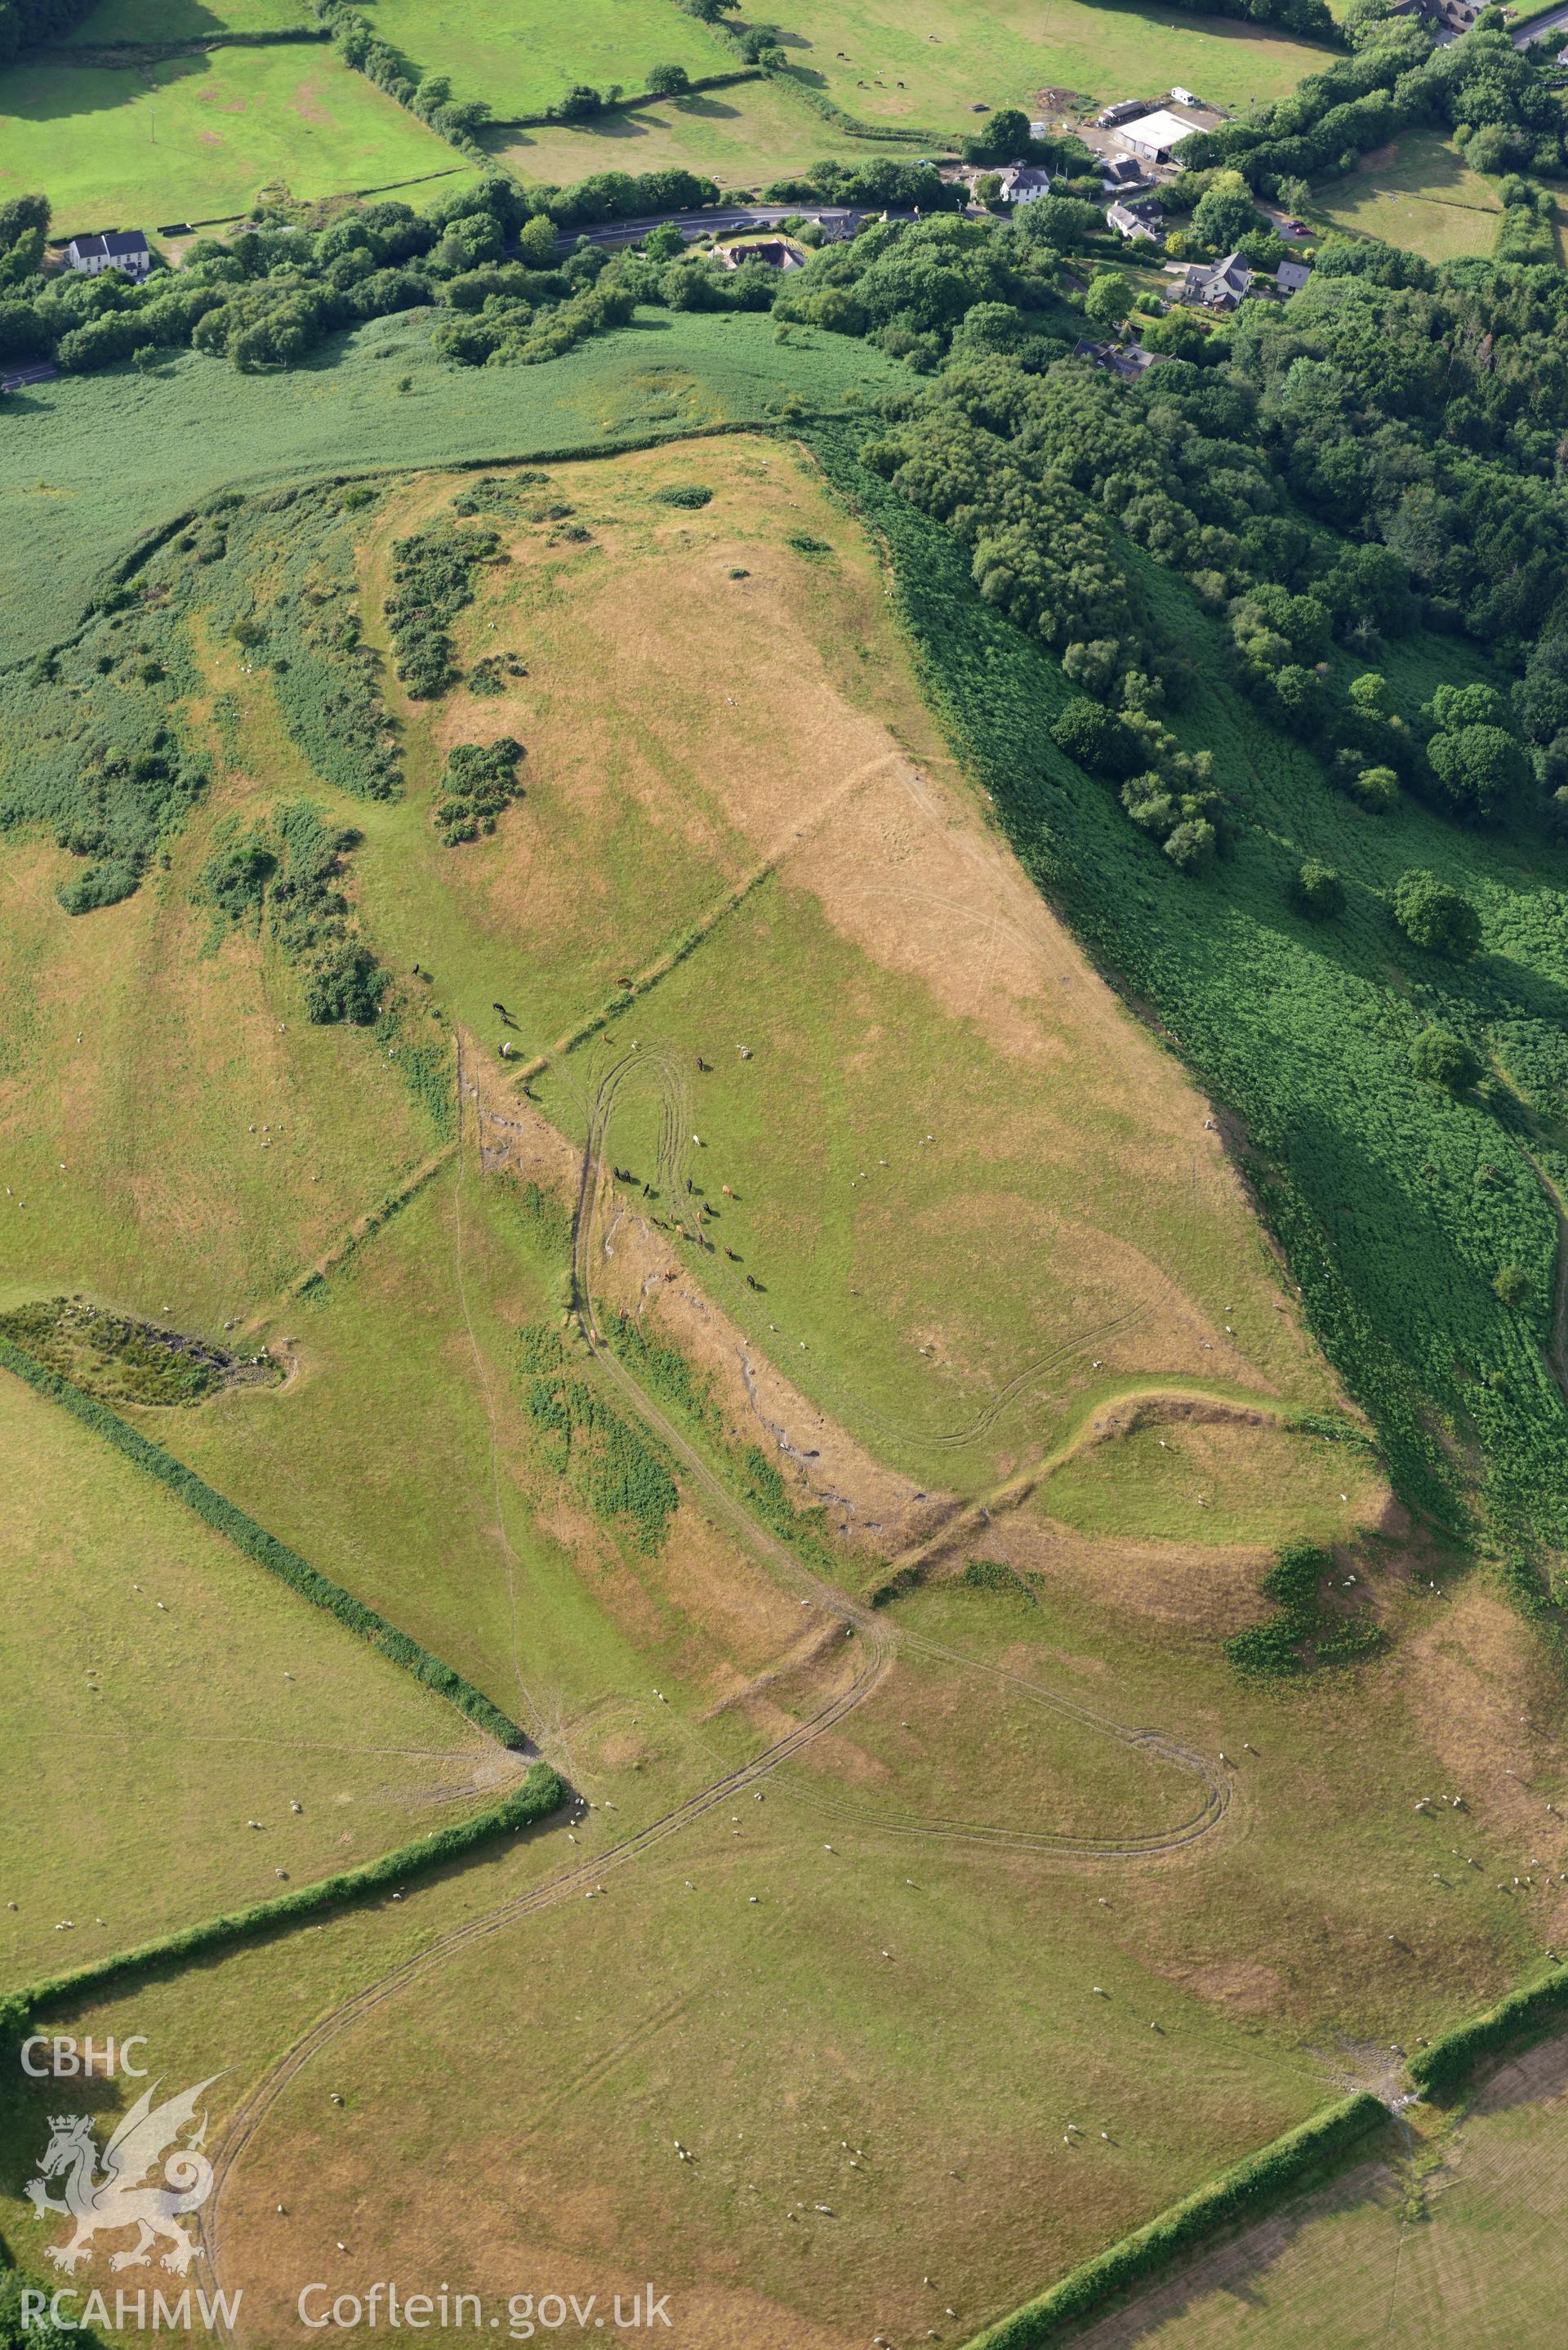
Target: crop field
{"x":1419,"y":193}
{"x":206,"y":427}
{"x":198,"y":138}
{"x":1452,"y":2245}
{"x":524,"y":64}
{"x":884,"y":64}
{"x":186,"y":1693}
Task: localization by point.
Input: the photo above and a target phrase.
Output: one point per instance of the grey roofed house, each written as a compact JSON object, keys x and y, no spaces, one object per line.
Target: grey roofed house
{"x":1292,"y":276}
{"x":1130,"y":224}
{"x":1120,"y":172}
{"x":1022,"y":182}
{"x":1126,"y":362}
{"x":1219,"y":285}
{"x":125,"y":249}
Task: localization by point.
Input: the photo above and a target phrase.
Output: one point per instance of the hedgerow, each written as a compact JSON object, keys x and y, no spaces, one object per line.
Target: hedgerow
{"x":1236,"y":2194}
{"x":268,"y":1552}
{"x":540,"y":1792}
{"x":1444,"y":2064}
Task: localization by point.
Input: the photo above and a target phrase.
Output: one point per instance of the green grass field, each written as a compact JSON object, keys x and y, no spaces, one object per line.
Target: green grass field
{"x":1213,"y":1480}
{"x":1033,"y":1261}
{"x":770,"y":2023}
{"x":1454,"y":2245}
{"x":522,"y":65}
{"x":933,"y":69}
{"x":198,"y":138}
{"x":137,"y":21}
{"x":929,"y":2000}
{"x":743,"y":137}
{"x":200,"y":426}
{"x":1420,"y":194}
{"x":185,"y":1692}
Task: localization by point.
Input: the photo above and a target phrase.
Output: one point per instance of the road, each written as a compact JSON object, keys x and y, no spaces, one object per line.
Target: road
{"x":719,"y":219}
{"x":1523,"y":34}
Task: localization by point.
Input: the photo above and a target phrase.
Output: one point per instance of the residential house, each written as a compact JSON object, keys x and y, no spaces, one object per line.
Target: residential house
{"x":1126,"y":362}
{"x":1119,"y":173}
{"x":1292,"y":276}
{"x":1216,"y":285}
{"x":1133,"y":223}
{"x":772,"y":250}
{"x":1022,"y":183}
{"x":1447,"y":18}
{"x":125,"y":249}
{"x":1154,"y":137}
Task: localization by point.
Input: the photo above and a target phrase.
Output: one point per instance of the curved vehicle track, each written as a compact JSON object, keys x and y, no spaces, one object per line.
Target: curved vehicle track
{"x":671,"y":1165}
{"x":879,"y":1643}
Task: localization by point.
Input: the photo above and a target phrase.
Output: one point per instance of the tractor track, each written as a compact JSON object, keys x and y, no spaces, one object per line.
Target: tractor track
{"x":878,"y":1645}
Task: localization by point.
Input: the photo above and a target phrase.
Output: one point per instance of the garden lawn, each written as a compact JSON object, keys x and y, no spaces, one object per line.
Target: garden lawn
{"x":198,"y":138}
{"x":1419,"y":193}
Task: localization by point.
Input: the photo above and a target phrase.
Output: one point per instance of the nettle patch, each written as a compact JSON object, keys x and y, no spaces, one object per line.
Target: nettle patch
{"x":623,"y":1475}
{"x":122,"y":1361}
{"x":480,"y":782}
{"x":1305,"y":1631}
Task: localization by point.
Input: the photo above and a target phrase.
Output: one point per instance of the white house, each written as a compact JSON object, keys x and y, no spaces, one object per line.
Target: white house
{"x":1131,"y":224}
{"x":1022,"y":182}
{"x":1292,"y":276}
{"x":1153,"y":136}
{"x":125,"y":249}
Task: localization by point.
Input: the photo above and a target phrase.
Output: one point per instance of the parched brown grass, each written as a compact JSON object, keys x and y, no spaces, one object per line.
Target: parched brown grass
{"x":726,"y":746}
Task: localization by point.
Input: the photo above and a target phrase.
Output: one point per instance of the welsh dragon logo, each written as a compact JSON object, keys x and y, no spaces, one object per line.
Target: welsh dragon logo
{"x":123,"y":2195}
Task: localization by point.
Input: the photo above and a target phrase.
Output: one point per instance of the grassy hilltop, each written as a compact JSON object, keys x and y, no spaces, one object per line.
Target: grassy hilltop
{"x":756,"y":1039}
